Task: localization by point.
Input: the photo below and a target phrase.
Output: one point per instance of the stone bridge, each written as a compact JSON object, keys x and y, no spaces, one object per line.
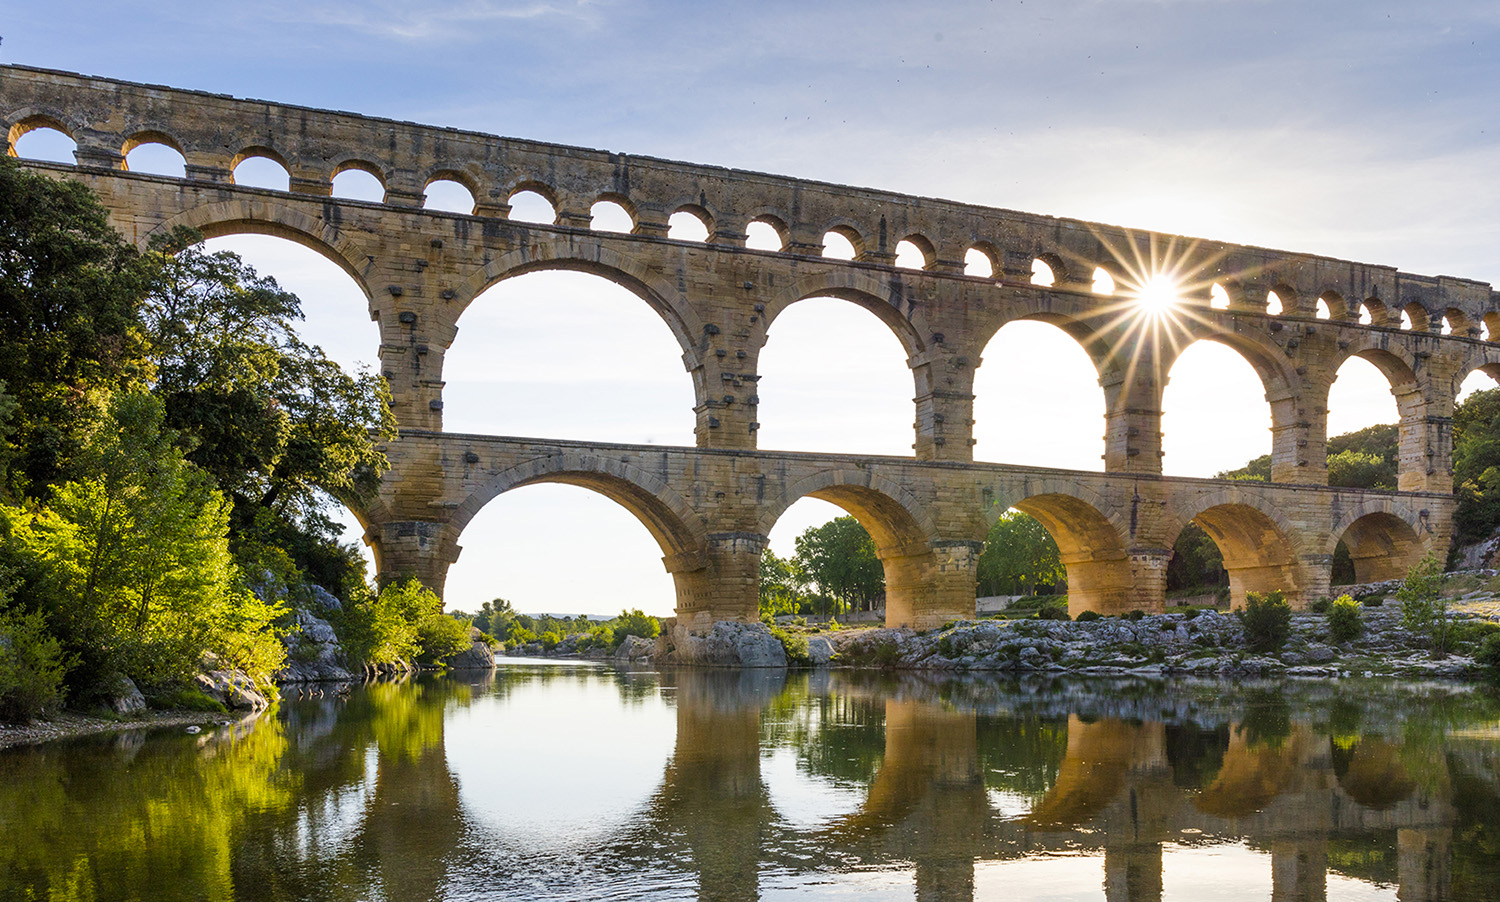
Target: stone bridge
{"x":710,"y":507}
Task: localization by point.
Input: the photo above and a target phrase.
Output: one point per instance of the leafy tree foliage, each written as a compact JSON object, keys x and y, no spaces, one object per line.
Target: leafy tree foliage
{"x":1019,"y":557}
{"x":783,"y":584}
{"x":839,"y":558}
{"x":133,"y":562}
{"x":1196,"y":561}
{"x":68,"y":335}
{"x":1476,"y":466}
{"x":279,"y":425}
{"x":1424,"y":610}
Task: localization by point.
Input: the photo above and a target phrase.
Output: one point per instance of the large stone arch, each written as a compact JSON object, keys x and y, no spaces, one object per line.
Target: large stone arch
{"x":1262,"y":548}
{"x":587,"y":254}
{"x":887,"y":298}
{"x":902,"y":528}
{"x":1413,"y":406}
{"x":255,"y":215}
{"x":665,"y":514}
{"x":1385,"y":538}
{"x":1093,"y":545}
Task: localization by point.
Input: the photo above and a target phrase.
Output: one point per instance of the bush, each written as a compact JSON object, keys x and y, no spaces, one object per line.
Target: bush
{"x":1135,"y":615}
{"x":795,"y":645}
{"x":600,"y":636}
{"x":1424,"y":611}
{"x":1322,"y":605}
{"x":636,"y":623}
{"x":1053,"y":612}
{"x":1087,"y":616}
{"x":31,"y":669}
{"x":1488,"y":654}
{"x":380,"y":629}
{"x":1267,"y":620}
{"x":440,"y":637}
{"x":1344,"y":623}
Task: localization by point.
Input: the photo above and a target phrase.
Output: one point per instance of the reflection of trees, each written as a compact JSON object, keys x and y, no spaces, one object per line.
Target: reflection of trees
{"x":136,"y":817}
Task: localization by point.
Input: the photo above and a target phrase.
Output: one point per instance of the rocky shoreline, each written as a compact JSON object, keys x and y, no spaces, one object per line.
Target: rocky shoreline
{"x":1202,"y":644}
{"x":1198,"y":643}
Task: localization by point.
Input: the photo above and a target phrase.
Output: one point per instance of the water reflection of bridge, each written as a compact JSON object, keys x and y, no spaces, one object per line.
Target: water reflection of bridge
{"x":1117,"y":791}
{"x":1124,"y":785}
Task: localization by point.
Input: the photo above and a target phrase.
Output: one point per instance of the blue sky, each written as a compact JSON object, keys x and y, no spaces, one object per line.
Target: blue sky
{"x":1365,"y":130}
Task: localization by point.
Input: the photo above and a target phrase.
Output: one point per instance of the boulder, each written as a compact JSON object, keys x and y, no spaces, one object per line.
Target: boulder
{"x":479,"y":655}
{"x":125,"y":699}
{"x":315,"y":654}
{"x":728,"y":645}
{"x":233,"y":688}
{"x":820,"y":650}
{"x":635,"y":648}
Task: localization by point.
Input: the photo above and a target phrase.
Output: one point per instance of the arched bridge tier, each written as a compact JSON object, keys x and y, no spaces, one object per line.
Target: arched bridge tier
{"x":710,"y":507}
{"x":710,"y":511}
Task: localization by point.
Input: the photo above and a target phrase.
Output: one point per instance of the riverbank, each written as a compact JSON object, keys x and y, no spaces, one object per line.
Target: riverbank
{"x":1200,"y":643}
{"x":72,"y":725}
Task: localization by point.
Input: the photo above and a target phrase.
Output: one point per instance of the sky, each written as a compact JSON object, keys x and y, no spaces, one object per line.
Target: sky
{"x":1360,"y":130}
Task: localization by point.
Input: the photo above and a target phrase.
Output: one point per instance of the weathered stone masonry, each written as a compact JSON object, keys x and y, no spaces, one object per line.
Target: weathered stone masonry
{"x":711,"y":507}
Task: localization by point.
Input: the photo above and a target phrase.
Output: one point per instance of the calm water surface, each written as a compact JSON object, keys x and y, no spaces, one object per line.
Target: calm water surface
{"x":551,"y":781}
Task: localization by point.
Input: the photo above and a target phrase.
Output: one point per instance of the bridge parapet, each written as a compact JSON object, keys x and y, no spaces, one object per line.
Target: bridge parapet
{"x":108,"y":117}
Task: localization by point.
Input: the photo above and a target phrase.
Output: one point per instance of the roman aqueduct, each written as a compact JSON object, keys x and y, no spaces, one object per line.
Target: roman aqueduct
{"x":710,"y":507}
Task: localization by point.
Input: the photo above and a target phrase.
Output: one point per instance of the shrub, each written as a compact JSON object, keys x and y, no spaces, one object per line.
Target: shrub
{"x":600,"y":636}
{"x":1135,"y":615}
{"x":1087,"y":616}
{"x":1488,"y":654}
{"x":550,"y":639}
{"x":380,"y":629}
{"x":1424,"y":611}
{"x":1267,"y":620}
{"x":636,"y":623}
{"x":1344,"y":623}
{"x":1052,"y":612}
{"x":439,"y":637}
{"x":31,"y":669}
{"x":1322,"y":605}
{"x":795,"y":645}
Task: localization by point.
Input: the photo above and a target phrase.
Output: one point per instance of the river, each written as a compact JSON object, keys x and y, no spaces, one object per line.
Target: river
{"x":570,"y":781}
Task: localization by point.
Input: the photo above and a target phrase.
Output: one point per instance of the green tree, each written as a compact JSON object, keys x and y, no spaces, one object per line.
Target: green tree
{"x":839,"y":557}
{"x":1424,"y":610}
{"x":382,"y":627}
{"x":142,"y":581}
{"x":1476,"y":466}
{"x":1352,"y":460}
{"x":1019,"y":557}
{"x":1196,"y":561}
{"x":68,"y":336}
{"x":279,"y":425}
{"x":783,"y":585}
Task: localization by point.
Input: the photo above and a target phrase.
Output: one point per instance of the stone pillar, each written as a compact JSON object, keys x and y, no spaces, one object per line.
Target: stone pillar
{"x":1132,"y":873}
{"x":943,"y":377}
{"x":1426,"y":451}
{"x":722,"y":584}
{"x":419,"y":548}
{"x":1148,"y":579}
{"x":1132,"y":416}
{"x":726,"y":383}
{"x":1424,"y":862}
{"x":1299,"y":437}
{"x":926,"y":586}
{"x":1299,"y":870}
{"x":411,"y":361}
